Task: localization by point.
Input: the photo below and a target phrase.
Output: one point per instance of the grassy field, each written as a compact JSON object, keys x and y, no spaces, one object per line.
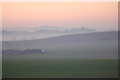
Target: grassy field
{"x":105,"y":68}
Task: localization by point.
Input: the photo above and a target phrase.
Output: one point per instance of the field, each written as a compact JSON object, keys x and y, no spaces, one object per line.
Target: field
{"x":95,"y":68}
{"x":90,"y":55}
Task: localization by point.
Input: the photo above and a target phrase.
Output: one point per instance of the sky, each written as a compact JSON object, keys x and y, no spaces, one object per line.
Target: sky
{"x":60,"y":0}
{"x":97,"y":15}
{"x":0,"y":21}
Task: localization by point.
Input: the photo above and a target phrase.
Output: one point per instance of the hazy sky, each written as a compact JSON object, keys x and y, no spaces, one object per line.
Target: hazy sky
{"x":60,"y":0}
{"x":65,"y":14}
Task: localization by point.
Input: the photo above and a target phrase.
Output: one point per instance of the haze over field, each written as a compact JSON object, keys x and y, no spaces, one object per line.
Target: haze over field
{"x":103,"y":45}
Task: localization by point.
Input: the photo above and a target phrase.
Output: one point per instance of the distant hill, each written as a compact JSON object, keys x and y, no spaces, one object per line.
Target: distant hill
{"x":87,"y":45}
{"x":42,"y":32}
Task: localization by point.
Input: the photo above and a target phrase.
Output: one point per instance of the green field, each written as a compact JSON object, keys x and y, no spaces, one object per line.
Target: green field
{"x":89,"y":68}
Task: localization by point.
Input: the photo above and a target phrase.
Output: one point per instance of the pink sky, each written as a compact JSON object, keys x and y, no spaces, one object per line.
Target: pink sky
{"x":65,"y":14}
